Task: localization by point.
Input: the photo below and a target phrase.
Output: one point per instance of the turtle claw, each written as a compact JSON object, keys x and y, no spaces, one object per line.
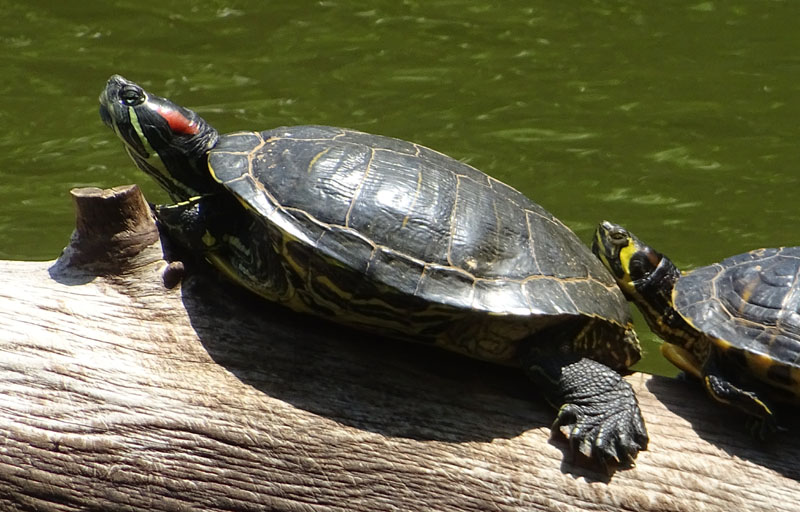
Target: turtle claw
{"x":607,"y":426}
{"x":597,"y":408}
{"x":601,"y":433}
{"x":762,"y":428}
{"x":761,"y":422}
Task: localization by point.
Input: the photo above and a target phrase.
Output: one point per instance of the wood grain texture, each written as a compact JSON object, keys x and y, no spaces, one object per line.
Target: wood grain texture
{"x":120,"y":394}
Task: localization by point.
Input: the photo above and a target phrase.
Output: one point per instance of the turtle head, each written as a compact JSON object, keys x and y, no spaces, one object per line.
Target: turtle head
{"x":645,"y":276}
{"x":631,"y":262}
{"x":165,"y":140}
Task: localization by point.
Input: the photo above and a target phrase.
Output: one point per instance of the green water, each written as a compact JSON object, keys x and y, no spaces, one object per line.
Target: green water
{"x":678,"y":119}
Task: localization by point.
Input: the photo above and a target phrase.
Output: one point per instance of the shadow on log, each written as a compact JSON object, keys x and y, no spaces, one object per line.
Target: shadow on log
{"x":122,"y":394}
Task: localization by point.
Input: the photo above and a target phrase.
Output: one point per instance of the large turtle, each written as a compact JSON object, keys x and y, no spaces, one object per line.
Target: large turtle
{"x":735,"y":325}
{"x":396,"y":239}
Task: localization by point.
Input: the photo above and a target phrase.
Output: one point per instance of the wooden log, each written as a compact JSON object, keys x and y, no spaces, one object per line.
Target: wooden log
{"x":119,"y":393}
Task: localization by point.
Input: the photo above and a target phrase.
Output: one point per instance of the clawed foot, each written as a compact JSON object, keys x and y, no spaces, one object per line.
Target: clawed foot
{"x":761,"y":422}
{"x":604,"y":430}
{"x":599,"y":414}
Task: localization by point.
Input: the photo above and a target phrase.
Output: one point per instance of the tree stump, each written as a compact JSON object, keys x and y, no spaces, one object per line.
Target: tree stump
{"x":120,"y":393}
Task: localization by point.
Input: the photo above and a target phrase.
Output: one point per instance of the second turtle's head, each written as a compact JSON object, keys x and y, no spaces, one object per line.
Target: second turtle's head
{"x":629,"y":260}
{"x":646,"y":277}
{"x":165,"y":140}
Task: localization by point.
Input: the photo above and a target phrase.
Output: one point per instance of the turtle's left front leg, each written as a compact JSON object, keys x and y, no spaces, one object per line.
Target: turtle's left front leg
{"x":762,"y":422}
{"x":181,"y":220}
{"x":595,"y":404}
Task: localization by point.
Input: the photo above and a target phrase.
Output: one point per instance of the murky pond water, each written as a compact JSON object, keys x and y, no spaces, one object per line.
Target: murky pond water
{"x":679,"y":120}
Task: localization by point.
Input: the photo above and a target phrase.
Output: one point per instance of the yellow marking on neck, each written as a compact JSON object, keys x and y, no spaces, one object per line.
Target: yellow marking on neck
{"x":625,"y":255}
{"x":153,"y":158}
{"x":136,"y":126}
{"x":682,"y":358}
{"x":146,"y":143}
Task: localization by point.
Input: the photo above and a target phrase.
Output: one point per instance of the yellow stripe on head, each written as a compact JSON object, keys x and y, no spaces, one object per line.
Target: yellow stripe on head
{"x":625,"y":255}
{"x":616,"y":247}
{"x":156,"y":162}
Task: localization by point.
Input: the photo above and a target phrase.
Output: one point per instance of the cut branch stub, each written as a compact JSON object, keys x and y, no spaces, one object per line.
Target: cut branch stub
{"x":112,"y":226}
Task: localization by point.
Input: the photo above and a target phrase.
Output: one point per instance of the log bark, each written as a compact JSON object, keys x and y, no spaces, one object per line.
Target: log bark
{"x":119,"y":393}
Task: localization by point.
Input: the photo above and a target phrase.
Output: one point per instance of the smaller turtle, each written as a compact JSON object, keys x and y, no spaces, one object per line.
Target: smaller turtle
{"x":735,"y":325}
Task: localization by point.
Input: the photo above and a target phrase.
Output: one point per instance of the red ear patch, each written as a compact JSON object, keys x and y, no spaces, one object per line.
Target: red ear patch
{"x":178,"y":122}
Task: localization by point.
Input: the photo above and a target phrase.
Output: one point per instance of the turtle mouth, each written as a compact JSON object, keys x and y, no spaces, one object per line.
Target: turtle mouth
{"x":105,"y":115}
{"x":105,"y":111}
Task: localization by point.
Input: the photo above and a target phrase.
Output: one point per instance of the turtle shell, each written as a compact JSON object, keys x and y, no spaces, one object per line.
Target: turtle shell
{"x":394,"y":236}
{"x":749,"y":305}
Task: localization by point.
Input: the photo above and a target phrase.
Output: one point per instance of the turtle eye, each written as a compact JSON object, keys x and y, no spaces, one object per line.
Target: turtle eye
{"x":618,"y":236}
{"x":131,"y":95}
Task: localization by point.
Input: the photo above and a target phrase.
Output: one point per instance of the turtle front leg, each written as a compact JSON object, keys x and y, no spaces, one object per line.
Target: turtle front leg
{"x":597,"y":407}
{"x":183,"y":222}
{"x":762,"y":420}
{"x":187,"y":230}
{"x":172,"y":219}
